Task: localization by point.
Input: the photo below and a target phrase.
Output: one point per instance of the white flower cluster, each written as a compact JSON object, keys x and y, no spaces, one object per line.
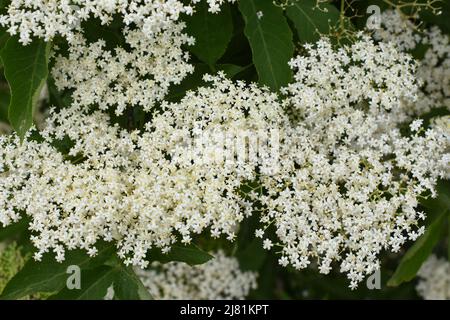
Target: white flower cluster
{"x":435,"y":279}
{"x":394,"y":28}
{"x":49,"y":18}
{"x":364,"y":78}
{"x":349,"y":182}
{"x":140,"y":75}
{"x":232,"y":108}
{"x":218,"y":279}
{"x":442,"y":124}
{"x":434,"y":68}
{"x":134,"y":188}
{"x":122,"y":78}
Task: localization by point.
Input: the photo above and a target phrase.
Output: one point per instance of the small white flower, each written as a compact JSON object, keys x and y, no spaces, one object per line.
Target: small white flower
{"x":416,"y":125}
{"x":267,"y":244}
{"x":259,"y":233}
{"x":283,"y":261}
{"x":119,"y":79}
{"x":434,"y":68}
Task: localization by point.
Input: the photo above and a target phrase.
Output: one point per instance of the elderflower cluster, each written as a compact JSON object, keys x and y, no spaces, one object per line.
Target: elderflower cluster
{"x":350,"y":181}
{"x":347,"y":183}
{"x":87,"y":180}
{"x":401,"y":31}
{"x":140,"y":76}
{"x":434,"y":68}
{"x":363,"y":78}
{"x":234,"y":109}
{"x":217,"y":279}
{"x":434,"y":283}
{"x":442,"y":124}
{"x":347,"y":186}
{"x":49,"y":18}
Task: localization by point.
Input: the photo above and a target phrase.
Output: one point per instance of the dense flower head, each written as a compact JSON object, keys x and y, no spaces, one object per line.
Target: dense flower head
{"x":434,"y":283}
{"x":350,"y":181}
{"x":49,"y":18}
{"x":365,"y":77}
{"x":140,"y":76}
{"x":442,"y":125}
{"x":346,"y":188}
{"x":434,"y":68}
{"x":130,"y":187}
{"x":337,"y":178}
{"x":212,"y":127}
{"x":350,"y":204}
{"x":218,"y":279}
{"x":397,"y":29}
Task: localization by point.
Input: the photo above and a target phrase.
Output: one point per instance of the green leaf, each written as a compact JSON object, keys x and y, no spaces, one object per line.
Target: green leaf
{"x":94,"y":285}
{"x":26,"y":69}
{"x":418,"y":253}
{"x":212,"y":32}
{"x":249,"y":249}
{"x":253,"y":256}
{"x":443,"y":191}
{"x":195,"y":80}
{"x":13,"y":229}
{"x":128,"y":286}
{"x":312,"y":20}
{"x":232,"y":70}
{"x":50,"y":276}
{"x":112,"y":33}
{"x":3,"y":4}
{"x":448,"y":237}
{"x":435,"y":206}
{"x":191,"y":82}
{"x":442,"y":20}
{"x":266,"y":283}
{"x":4,"y":103}
{"x":189,"y":254}
{"x":270,"y":38}
{"x":4,"y":36}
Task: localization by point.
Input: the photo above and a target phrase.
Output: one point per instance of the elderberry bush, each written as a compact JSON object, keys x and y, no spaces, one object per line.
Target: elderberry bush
{"x":224,"y":149}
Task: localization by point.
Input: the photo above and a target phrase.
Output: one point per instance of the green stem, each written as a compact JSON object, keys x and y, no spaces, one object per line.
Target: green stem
{"x":342,"y":14}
